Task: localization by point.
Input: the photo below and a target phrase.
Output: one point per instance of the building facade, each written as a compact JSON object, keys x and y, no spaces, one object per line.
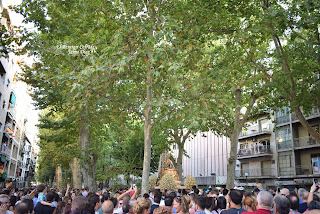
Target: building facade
{"x":15,"y":111}
{"x":207,"y":158}
{"x":279,"y":151}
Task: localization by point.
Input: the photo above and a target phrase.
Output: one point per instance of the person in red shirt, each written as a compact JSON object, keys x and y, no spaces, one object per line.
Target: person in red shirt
{"x":264,"y":206}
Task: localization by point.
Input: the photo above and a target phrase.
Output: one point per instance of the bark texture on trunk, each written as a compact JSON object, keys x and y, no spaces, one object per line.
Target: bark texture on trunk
{"x":147,"y":136}
{"x":76,"y":173}
{"x":89,"y":160}
{"x":231,"y":167}
{"x":180,"y":141}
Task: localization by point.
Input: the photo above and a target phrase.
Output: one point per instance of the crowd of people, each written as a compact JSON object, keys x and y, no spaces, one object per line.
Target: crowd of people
{"x":42,"y":200}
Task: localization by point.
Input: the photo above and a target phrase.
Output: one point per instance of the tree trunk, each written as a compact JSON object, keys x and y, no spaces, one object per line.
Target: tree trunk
{"x":180,"y":141}
{"x":76,"y":173}
{"x":234,"y":141}
{"x":89,"y":160}
{"x":232,"y":161}
{"x":147,"y":136}
{"x":306,"y":124}
{"x":179,"y":160}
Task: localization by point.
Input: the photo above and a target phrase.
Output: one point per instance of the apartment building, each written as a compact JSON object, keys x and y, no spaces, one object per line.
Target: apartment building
{"x":278,"y":151}
{"x":15,"y":107}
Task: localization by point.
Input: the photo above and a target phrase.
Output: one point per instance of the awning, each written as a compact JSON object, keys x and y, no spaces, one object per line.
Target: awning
{"x":9,"y":115}
{"x":2,"y":158}
{"x":13,"y":98}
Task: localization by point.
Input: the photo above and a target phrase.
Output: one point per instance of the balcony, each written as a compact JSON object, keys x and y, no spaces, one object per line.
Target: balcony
{"x":284,"y":145}
{"x":305,"y":142}
{"x":5,"y":150}
{"x":256,"y":173}
{"x":283,"y":119}
{"x":253,"y":131}
{"x":314,"y":113}
{"x":286,"y":171}
{"x":256,"y":151}
{"x":304,"y":170}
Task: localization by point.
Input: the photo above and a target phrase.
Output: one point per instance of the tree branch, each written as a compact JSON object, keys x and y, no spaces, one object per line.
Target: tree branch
{"x":128,"y":107}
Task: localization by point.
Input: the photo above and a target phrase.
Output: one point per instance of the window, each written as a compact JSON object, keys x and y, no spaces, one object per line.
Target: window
{"x":284,"y":134}
{"x":2,"y":73}
{"x":4,"y":105}
{"x":285,"y":161}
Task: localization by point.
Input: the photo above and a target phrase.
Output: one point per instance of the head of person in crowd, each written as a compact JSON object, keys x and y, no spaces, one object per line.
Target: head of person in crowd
{"x":247,"y":193}
{"x":94,"y":201}
{"x":114,"y":201}
{"x":188,"y":199}
{"x":41,"y":188}
{"x":284,"y":191}
{"x":180,"y":204}
{"x":142,"y":207}
{"x":126,"y":199}
{"x":200,"y":203}
{"x":50,"y":196}
{"x":105,"y":196}
{"x":107,"y":207}
{"x":60,"y":208}
{"x":21,"y":208}
{"x":281,"y":204}
{"x":13,"y":200}
{"x":196,"y":192}
{"x":127,"y":208}
{"x":4,"y":199}
{"x":157,"y":197}
{"x":210,"y":201}
{"x":146,"y":195}
{"x":213,"y":193}
{"x":80,"y":204}
{"x":304,"y":196}
{"x":162,"y":210}
{"x":301,"y":191}
{"x":294,"y":200}
{"x":256,"y":192}
{"x":235,"y":198}
{"x":221,"y":203}
{"x":29,"y":203}
{"x":172,"y":194}
{"x":168,"y":201}
{"x":249,"y":204}
{"x":265,"y":200}
{"x":225,"y":192}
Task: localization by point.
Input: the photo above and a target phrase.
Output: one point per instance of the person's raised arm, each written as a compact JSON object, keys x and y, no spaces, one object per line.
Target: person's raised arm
{"x":32,"y":193}
{"x":136,"y":191}
{"x":124,"y":194}
{"x":312,"y":190}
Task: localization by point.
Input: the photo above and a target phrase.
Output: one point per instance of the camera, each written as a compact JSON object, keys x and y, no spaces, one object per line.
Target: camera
{"x":315,"y":180}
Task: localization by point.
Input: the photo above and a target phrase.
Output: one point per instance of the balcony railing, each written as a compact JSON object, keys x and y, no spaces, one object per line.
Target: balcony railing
{"x":314,"y":112}
{"x":305,"y":141}
{"x":284,"y":145}
{"x":253,"y":130}
{"x":259,"y":172}
{"x":304,"y":170}
{"x":286,"y":171}
{"x":283,"y":119}
{"x":256,"y":150}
